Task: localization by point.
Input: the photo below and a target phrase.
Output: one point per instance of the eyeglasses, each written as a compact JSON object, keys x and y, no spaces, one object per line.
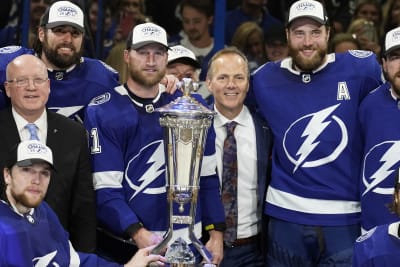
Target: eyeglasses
{"x":24,"y":82}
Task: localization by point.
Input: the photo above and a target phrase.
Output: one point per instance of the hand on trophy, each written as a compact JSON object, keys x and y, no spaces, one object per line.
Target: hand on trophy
{"x":144,"y":238}
{"x":170,"y":82}
{"x":143,"y":258}
{"x":216,"y":246}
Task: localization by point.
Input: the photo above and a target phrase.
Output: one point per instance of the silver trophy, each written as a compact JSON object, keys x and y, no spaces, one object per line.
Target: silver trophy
{"x":185,"y":123}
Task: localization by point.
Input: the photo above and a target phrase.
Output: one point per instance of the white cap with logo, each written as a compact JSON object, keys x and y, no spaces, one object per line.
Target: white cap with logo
{"x":30,"y":152}
{"x":63,"y":13}
{"x":180,"y":52}
{"x":147,"y":33}
{"x":392,"y":40}
{"x":308,"y":8}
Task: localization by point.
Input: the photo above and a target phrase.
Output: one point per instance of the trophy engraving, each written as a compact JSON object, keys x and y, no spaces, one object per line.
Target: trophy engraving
{"x":185,"y":123}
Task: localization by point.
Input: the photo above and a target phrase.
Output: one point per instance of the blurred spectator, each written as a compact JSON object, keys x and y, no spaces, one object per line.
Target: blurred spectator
{"x":107,"y":34}
{"x":250,"y":10}
{"x":197,"y":17}
{"x":342,"y":42}
{"x":131,"y":13}
{"x":391,"y":15}
{"x":371,"y":11}
{"x":249,"y":38}
{"x":10,"y":34}
{"x":366,"y":33}
{"x":276,"y":47}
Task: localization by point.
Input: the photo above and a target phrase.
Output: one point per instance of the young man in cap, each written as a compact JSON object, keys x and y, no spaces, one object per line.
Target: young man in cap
{"x":75,"y":80}
{"x":182,"y":63}
{"x":276,"y":46}
{"x":128,"y":152}
{"x":380,"y":125}
{"x":310,"y":101}
{"x":30,"y":233}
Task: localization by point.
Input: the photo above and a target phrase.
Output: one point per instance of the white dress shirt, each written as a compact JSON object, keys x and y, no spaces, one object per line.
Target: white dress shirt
{"x":24,"y":134}
{"x":245,"y":135}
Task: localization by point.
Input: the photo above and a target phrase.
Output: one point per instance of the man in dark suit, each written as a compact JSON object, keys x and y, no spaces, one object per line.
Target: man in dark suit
{"x":243,"y":161}
{"x":70,"y":193}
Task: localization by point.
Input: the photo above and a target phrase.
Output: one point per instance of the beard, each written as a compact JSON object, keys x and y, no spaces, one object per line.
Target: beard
{"x":61,"y":61}
{"x":307,"y":64}
{"x":395,"y":82}
{"x":27,"y":201}
{"x":146,"y":81}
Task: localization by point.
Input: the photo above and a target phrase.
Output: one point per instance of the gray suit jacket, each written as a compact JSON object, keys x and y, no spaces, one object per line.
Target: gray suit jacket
{"x":70,"y":193}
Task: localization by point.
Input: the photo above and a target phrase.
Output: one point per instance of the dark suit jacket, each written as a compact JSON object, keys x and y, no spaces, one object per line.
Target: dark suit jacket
{"x":70,"y":192}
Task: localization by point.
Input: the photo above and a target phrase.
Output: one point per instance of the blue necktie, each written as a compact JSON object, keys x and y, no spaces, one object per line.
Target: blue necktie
{"x":229,"y":184}
{"x":32,"y":128}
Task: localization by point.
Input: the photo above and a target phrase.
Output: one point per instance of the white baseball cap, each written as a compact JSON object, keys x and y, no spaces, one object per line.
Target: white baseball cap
{"x":308,"y":8}
{"x":147,"y":33}
{"x":392,"y":40}
{"x":63,"y":13}
{"x":30,"y":152}
{"x":179,"y":52}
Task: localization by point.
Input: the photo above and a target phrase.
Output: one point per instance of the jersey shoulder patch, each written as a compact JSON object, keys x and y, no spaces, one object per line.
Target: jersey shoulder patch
{"x":101,"y":99}
{"x":360,"y":53}
{"x":366,"y":235}
{"x":10,"y":49}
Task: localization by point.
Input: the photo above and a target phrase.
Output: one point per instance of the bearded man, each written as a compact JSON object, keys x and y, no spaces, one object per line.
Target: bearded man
{"x":310,"y":101}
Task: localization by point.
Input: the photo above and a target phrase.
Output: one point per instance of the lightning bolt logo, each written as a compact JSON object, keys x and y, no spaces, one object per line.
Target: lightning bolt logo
{"x":316,"y":125}
{"x":45,"y":260}
{"x":389,"y":159}
{"x":155,"y":168}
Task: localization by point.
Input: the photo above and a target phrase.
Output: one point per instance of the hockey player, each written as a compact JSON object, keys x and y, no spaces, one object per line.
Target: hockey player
{"x":380,"y":246}
{"x":311,"y":102}
{"x":380,"y":125}
{"x":30,"y":233}
{"x":128,"y":153}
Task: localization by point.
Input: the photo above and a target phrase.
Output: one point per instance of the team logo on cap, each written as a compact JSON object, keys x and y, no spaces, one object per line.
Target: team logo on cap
{"x":67,"y":11}
{"x":396,"y":36}
{"x":305,"y":6}
{"x":180,"y":51}
{"x":37,"y":149}
{"x":151,"y":31}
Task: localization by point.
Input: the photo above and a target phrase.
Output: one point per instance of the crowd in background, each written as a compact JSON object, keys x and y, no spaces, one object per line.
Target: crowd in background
{"x":256,"y":27}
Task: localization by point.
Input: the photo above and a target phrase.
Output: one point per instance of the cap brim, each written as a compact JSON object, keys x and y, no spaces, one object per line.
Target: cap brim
{"x":141,"y":44}
{"x":390,"y":50}
{"x":186,"y":60}
{"x":317,"y":19}
{"x":64,"y":23}
{"x":30,"y":162}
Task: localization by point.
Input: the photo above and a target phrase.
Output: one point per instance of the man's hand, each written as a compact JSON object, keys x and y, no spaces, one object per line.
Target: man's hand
{"x":143,"y":257}
{"x":170,"y":82}
{"x":216,"y":246}
{"x":144,"y":238}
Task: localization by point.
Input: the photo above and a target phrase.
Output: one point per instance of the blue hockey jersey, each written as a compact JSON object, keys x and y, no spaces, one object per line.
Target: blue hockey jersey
{"x":379,"y":247}
{"x":317,"y":149}
{"x":380,"y":126}
{"x":128,"y":163}
{"x":73,"y":89}
{"x":38,"y":239}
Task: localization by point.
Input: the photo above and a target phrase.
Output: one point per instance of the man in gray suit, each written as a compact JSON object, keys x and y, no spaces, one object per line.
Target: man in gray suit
{"x":228,"y":81}
{"x":70,"y":193}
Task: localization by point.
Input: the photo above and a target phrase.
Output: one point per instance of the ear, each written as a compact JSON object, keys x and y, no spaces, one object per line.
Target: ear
{"x":7,"y":176}
{"x":41,"y":33}
{"x":126,"y":56}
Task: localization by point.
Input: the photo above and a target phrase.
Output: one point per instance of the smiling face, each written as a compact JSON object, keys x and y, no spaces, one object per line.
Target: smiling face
{"x":308,"y":43}
{"x":228,"y":81}
{"x":28,"y":86}
{"x":62,"y":46}
{"x":391,"y":66}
